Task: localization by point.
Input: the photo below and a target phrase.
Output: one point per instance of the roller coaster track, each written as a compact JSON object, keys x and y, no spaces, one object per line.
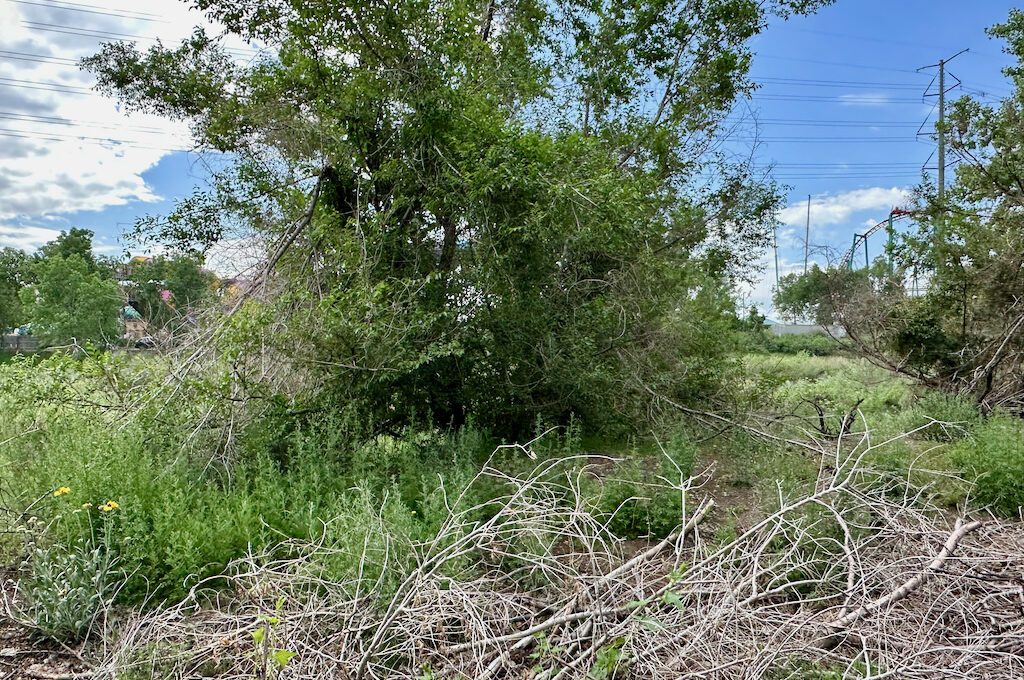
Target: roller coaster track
{"x":861,"y":239}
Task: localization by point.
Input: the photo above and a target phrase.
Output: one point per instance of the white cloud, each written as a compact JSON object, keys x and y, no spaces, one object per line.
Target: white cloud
{"x":864,"y":99}
{"x":830,"y":209}
{"x":26,"y":237}
{"x":64,"y":148}
{"x":759,"y":293}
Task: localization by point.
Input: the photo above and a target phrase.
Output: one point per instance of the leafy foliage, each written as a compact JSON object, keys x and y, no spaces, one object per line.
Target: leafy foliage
{"x":75,"y":242}
{"x":72,"y":300}
{"x":495,"y":210}
{"x":14,"y":272}
{"x":994,"y":457}
{"x":67,"y":588}
{"x":165,"y":287}
{"x":965,"y":334}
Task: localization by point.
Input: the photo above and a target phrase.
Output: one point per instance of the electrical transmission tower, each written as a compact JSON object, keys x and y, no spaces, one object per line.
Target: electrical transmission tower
{"x":941,"y":133}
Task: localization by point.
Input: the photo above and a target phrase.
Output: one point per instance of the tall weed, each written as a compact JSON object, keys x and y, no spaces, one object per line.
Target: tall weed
{"x":993,"y":457}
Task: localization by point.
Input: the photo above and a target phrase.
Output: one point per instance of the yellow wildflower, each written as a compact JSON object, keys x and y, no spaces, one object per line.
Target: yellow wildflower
{"x":109,"y":505}
{"x":62,"y":491}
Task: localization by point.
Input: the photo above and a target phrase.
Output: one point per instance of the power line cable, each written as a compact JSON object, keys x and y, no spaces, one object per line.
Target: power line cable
{"x":87,"y":5}
{"x":869,"y":67}
{"x":48,"y":87}
{"x":838,"y":83}
{"x":848,"y":100}
{"x":55,"y":120}
{"x":113,"y":35}
{"x":94,"y":9}
{"x":40,"y":58}
{"x":58,"y":137}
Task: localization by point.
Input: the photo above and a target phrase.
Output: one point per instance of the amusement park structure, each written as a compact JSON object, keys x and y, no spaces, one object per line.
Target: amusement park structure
{"x":862,"y":239}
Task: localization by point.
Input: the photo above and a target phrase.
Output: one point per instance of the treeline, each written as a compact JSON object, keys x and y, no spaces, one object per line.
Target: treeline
{"x":65,"y":292}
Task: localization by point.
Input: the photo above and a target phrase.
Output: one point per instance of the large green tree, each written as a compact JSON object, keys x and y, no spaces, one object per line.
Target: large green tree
{"x":70,"y":301}
{"x":75,"y":241}
{"x":502,"y":208}
{"x":165,"y":287}
{"x":14,"y":274}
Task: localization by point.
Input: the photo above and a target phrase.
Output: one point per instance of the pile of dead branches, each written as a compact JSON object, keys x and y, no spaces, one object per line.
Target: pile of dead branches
{"x":859,"y":577}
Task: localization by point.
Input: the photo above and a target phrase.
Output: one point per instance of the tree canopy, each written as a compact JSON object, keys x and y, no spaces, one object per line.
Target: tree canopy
{"x":13,"y":276}
{"x":72,"y":302}
{"x":495,"y":208}
{"x":165,"y":287}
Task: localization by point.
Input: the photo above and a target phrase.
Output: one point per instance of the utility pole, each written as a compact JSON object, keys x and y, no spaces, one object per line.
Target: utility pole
{"x":775,"y":245}
{"x":942,"y":138}
{"x":807,"y":233}
{"x":941,"y":125}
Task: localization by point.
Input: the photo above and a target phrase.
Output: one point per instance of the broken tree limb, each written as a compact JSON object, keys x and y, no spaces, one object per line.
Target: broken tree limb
{"x":908,"y":587}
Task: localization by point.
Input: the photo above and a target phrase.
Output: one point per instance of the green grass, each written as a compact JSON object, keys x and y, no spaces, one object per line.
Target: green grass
{"x":993,"y":457}
{"x":179,"y":520}
{"x":183,"y":517}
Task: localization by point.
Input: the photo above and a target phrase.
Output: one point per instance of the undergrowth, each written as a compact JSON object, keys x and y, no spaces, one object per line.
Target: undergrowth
{"x":114,"y":505}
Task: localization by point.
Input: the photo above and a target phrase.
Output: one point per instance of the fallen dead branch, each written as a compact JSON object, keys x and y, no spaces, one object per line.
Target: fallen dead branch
{"x":855,"y":577}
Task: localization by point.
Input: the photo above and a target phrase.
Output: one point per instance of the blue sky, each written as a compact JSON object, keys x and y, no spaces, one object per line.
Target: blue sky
{"x":838,"y":113}
{"x":850,"y":71}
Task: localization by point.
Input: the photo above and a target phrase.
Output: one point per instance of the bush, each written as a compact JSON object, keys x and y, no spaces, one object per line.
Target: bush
{"x":956,"y":417}
{"x":178,"y":521}
{"x":638,"y":499}
{"x":814,"y":344}
{"x":994,"y":458}
{"x":838,"y":394}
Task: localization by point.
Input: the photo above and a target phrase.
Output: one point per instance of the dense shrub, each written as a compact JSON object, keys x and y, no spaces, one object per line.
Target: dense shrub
{"x":178,"y":521}
{"x":942,"y":417}
{"x":837,"y":394}
{"x":994,"y":457}
{"x":638,"y":497}
{"x":815,"y":344}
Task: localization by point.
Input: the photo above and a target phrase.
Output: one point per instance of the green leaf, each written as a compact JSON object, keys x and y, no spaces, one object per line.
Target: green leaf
{"x":650,"y":623}
{"x":259,"y":635}
{"x":672,"y":598}
{"x":281,"y":657}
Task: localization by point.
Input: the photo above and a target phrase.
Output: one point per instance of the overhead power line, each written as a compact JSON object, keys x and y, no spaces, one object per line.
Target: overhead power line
{"x":868,"y":67}
{"x":47,"y":87}
{"x":866,"y":100}
{"x":113,"y":35}
{"x":839,"y":83}
{"x":55,"y":120}
{"x":86,"y":5}
{"x":58,"y":137}
{"x":40,"y":58}
{"x":844,"y":165}
{"x":94,"y":9}
{"x":829,"y":140}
